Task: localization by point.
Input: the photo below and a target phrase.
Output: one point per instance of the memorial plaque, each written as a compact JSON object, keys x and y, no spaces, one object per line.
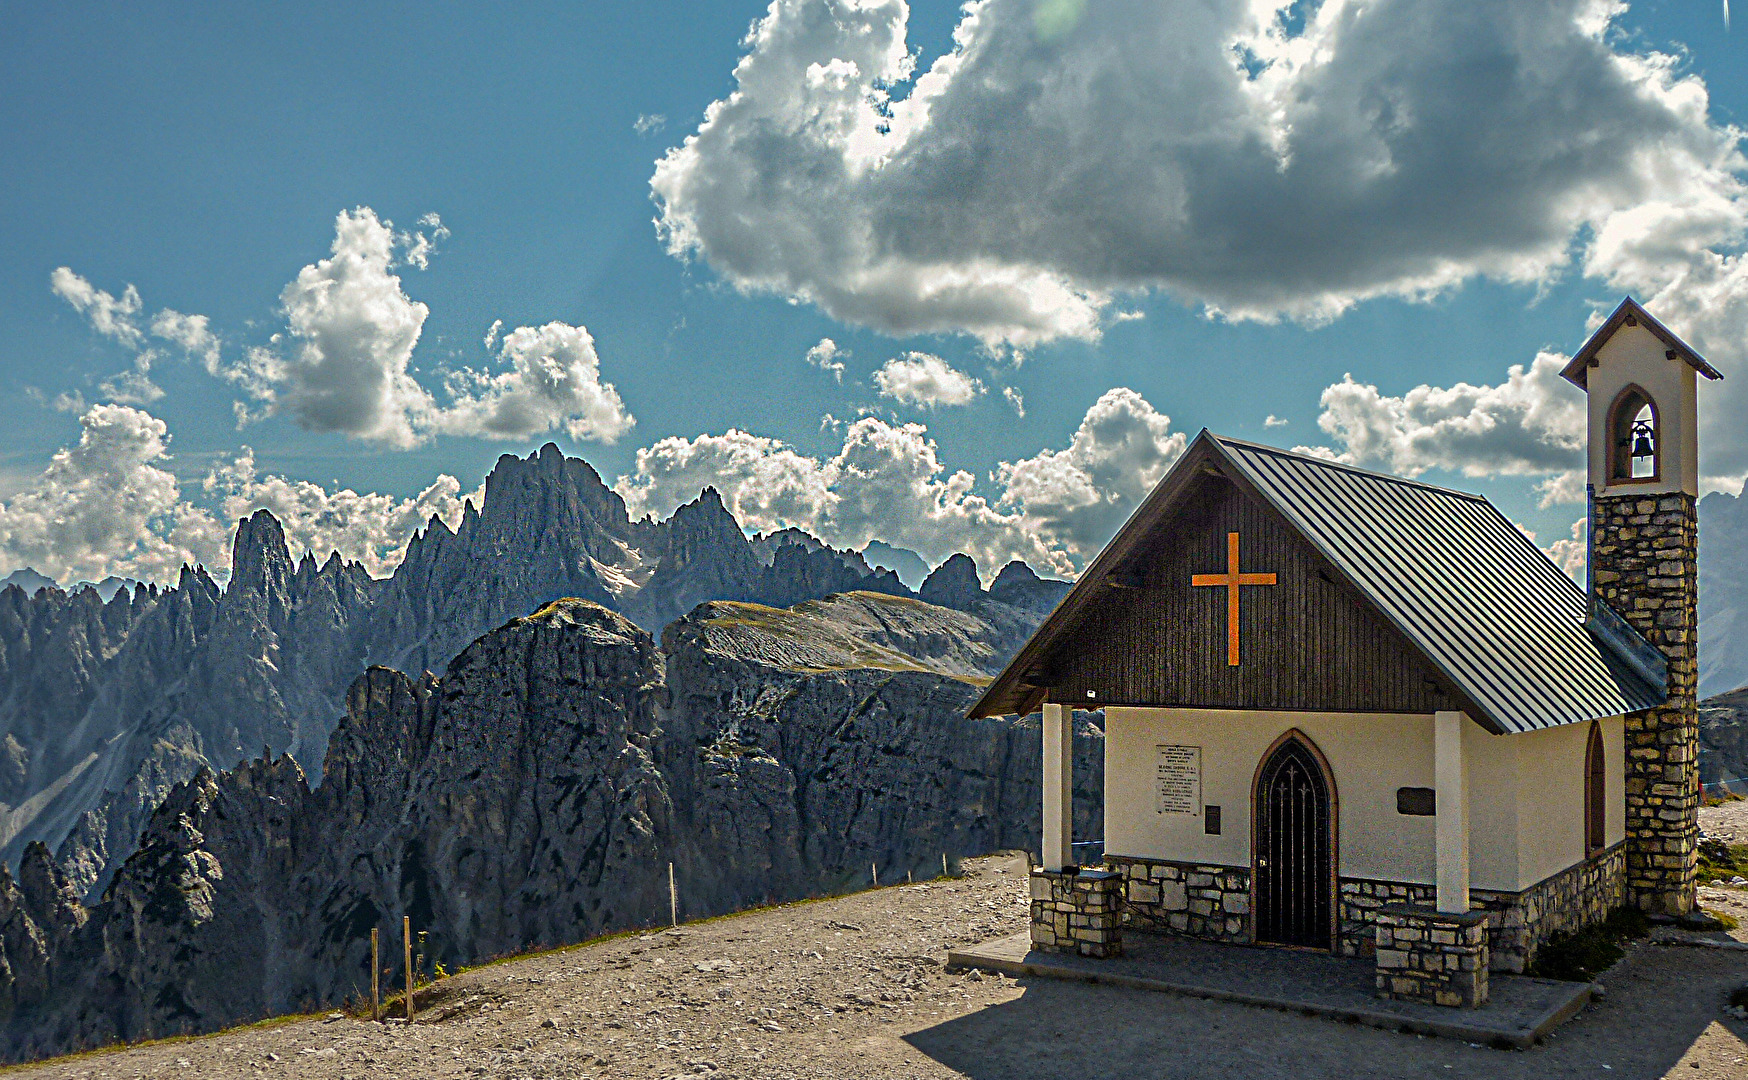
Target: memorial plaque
{"x":1179,"y":780}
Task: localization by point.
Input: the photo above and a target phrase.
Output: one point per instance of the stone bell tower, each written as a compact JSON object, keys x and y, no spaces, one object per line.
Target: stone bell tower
{"x":1642,"y":384}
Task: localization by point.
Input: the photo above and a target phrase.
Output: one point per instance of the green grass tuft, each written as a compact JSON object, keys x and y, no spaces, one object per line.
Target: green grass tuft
{"x":1582,"y":955}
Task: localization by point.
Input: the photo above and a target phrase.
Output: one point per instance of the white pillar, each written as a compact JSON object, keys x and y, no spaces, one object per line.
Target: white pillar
{"x":1058,"y":786}
{"x":1452,"y":826}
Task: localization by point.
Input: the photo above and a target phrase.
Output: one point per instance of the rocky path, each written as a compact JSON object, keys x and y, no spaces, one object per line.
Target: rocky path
{"x":854,"y":987}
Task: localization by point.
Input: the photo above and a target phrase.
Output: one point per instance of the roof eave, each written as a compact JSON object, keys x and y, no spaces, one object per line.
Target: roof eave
{"x":1577,"y":369}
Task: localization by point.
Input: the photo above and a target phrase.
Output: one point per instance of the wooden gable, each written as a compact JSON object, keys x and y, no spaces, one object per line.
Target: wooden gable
{"x":1307,"y":642}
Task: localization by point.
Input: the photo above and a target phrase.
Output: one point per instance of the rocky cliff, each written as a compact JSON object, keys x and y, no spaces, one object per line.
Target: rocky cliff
{"x":104,"y":707}
{"x":535,"y":795}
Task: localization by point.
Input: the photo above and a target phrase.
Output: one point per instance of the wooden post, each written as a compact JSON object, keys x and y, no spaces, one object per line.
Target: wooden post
{"x":673,"y":899}
{"x":375,"y":979}
{"x":874,"y":872}
{"x":407,"y":939}
{"x":943,"y":864}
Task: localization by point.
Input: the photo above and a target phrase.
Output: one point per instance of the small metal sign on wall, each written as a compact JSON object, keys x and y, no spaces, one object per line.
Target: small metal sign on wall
{"x":1178,"y":780}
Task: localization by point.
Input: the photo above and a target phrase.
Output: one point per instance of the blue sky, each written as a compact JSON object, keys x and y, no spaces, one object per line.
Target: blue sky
{"x":202,"y":158}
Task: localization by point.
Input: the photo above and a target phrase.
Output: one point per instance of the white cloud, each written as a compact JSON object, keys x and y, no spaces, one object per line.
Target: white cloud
{"x":1016,"y":399}
{"x":1570,"y":555}
{"x":490,"y":341}
{"x":370,"y":528}
{"x":649,"y":123}
{"x":918,"y":378}
{"x":1076,"y":499}
{"x":344,"y":363}
{"x":193,"y":333}
{"x":106,"y":506}
{"x":110,"y":316}
{"x":418,"y":246}
{"x":1273,"y":421}
{"x":1013,"y":187}
{"x":552,"y":379}
{"x":1532,"y":423}
{"x":352,"y":331}
{"x":887,"y":481}
{"x":825,"y":357}
{"x":766,"y":484}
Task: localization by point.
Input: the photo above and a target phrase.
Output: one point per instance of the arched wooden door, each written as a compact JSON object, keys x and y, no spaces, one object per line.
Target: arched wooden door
{"x":1293,"y":846}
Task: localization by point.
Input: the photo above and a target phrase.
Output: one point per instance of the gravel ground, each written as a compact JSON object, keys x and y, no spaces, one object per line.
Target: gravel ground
{"x":854,"y":987}
{"x":1728,"y":821}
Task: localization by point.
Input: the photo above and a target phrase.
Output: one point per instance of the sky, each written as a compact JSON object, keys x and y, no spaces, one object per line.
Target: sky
{"x":959,"y":279}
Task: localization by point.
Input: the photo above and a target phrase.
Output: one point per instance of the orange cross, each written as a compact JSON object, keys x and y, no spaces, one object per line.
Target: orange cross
{"x":1232,"y":579}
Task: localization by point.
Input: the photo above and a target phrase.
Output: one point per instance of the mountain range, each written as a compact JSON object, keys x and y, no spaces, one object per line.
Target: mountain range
{"x":537,"y":794}
{"x":105,"y":705}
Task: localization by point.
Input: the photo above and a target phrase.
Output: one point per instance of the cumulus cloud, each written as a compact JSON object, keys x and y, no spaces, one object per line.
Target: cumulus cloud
{"x":1077,"y":498}
{"x":1015,"y":399}
{"x":825,"y":357}
{"x":1532,"y":423}
{"x":111,"y":316}
{"x":1273,"y":421}
{"x":351,"y":330}
{"x":1570,"y":554}
{"x":887,"y":481}
{"x":1258,"y":165}
{"x":649,"y":123}
{"x":552,"y":378}
{"x":921,"y":379}
{"x":107,"y":506}
{"x":370,"y":528}
{"x":344,"y":363}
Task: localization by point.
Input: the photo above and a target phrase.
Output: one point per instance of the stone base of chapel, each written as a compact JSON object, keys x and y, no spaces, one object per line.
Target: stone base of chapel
{"x":1077,"y":911}
{"x":1212,"y":902}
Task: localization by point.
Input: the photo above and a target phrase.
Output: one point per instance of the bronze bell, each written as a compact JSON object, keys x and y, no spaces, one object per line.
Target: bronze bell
{"x":1642,"y":443}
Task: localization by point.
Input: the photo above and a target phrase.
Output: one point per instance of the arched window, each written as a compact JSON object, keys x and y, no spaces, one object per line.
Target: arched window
{"x":1595,"y":792}
{"x":1634,"y":445}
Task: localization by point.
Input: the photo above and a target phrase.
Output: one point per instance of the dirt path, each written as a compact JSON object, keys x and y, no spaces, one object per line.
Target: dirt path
{"x":855,"y":988}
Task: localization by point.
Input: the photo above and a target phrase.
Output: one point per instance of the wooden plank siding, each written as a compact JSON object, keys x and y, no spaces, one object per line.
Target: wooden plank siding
{"x":1306,"y":643}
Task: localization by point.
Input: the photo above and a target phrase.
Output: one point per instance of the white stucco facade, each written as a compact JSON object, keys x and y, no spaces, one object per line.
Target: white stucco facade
{"x":1525,"y":792}
{"x":1636,"y":357}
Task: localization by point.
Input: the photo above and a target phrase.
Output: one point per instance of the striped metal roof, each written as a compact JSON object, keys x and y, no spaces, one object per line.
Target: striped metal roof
{"x":1517,"y":637}
{"x":1463,"y":584}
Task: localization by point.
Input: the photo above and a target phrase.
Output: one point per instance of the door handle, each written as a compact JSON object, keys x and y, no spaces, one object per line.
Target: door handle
{"x":1262,"y":863}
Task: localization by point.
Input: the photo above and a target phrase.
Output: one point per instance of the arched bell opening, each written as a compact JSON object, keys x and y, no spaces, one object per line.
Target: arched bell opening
{"x":1635,"y":437}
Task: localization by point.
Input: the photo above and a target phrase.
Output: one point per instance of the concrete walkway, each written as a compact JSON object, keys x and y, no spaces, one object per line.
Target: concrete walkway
{"x":1521,"y":1012}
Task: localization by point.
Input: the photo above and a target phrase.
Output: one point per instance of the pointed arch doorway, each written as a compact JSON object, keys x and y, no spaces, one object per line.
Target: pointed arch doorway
{"x":1293,"y":831}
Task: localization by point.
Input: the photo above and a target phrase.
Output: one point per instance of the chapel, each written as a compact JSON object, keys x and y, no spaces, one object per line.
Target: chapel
{"x":1353,"y":712}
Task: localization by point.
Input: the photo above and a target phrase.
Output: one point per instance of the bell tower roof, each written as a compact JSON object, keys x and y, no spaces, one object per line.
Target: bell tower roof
{"x":1630,"y":313}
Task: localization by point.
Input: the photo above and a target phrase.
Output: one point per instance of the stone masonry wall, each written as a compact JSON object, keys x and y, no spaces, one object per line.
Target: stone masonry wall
{"x":1358,"y":905}
{"x":1077,"y":912}
{"x":1644,"y":563}
{"x":1519,"y":924}
{"x":1195,"y":899}
{"x":1426,"y":955}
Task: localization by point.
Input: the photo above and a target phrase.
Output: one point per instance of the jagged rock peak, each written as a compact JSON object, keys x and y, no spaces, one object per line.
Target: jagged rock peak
{"x":48,"y":896}
{"x":260,"y":559}
{"x":953,"y":584}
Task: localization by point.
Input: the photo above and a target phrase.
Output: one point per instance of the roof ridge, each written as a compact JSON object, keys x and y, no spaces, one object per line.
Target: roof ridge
{"x":1345,"y":467}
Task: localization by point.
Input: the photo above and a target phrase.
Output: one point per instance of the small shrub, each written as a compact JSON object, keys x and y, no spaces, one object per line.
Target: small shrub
{"x":1581,"y":955}
{"x":1719,"y":861}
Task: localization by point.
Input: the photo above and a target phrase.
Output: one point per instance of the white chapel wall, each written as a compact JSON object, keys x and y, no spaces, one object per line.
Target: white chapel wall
{"x":1550,"y":800}
{"x":1526,"y":792}
{"x":1371,"y":756}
